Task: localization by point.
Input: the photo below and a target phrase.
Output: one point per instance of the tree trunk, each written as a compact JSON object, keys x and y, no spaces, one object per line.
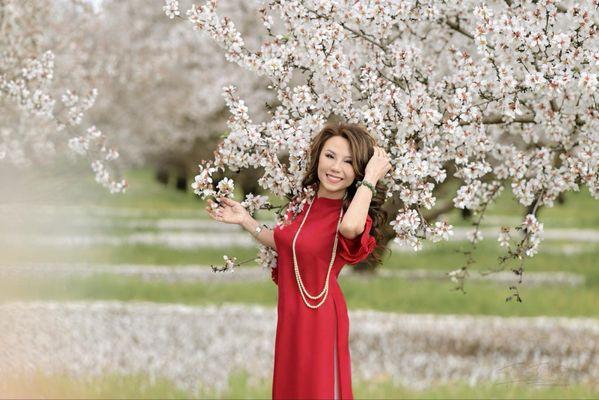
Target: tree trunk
{"x":181,"y":183}
{"x":162,"y":175}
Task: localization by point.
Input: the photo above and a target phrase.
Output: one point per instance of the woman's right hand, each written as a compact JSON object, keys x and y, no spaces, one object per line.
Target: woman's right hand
{"x":377,"y":166}
{"x":229,"y":211}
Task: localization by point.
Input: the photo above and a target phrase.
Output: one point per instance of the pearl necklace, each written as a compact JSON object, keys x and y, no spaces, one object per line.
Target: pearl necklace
{"x":298,"y":278}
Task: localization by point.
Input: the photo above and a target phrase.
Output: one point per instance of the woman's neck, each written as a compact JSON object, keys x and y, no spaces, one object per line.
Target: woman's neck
{"x":323,"y":193}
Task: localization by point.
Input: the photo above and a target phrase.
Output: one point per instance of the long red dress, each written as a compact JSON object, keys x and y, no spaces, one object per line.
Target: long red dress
{"x":312,"y":359}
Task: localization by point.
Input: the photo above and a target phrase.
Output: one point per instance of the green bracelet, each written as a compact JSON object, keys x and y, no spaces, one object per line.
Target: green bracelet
{"x":368,"y":185}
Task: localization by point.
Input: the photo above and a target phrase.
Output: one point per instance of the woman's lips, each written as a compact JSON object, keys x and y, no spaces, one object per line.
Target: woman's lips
{"x":333,"y":179}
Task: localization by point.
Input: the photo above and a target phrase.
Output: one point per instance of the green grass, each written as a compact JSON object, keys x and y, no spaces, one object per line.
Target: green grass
{"x":112,"y":386}
{"x":384,"y":294}
{"x":575,"y":212}
{"x":137,"y":254}
{"x":447,"y":255}
{"x":443,"y":256}
{"x":389,"y":295}
{"x":107,"y":386}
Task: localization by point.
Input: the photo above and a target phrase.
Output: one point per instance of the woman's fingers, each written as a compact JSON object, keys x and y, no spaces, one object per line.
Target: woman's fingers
{"x":381,"y":152}
{"x":216,"y":212}
{"x":216,"y":206}
{"x":210,"y":213}
{"x":227,"y":201}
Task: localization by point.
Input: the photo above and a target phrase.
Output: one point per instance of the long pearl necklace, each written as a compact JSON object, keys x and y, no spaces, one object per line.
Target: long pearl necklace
{"x":298,"y":278}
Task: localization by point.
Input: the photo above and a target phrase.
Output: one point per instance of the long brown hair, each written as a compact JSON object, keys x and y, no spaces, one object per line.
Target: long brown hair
{"x":361,"y":145}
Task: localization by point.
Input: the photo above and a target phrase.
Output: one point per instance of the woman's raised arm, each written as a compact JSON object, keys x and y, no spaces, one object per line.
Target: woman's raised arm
{"x":355,"y":216}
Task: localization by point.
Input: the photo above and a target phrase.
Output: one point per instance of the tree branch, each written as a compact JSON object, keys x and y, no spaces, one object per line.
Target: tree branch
{"x":456,"y":27}
{"x":495,"y":119}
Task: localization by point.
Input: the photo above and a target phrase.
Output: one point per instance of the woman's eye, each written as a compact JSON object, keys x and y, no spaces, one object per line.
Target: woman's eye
{"x":348,"y":161}
{"x":329,"y":156}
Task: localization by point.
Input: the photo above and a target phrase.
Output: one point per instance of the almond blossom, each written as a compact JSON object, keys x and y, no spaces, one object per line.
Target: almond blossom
{"x":45,"y":91}
{"x":498,"y":93}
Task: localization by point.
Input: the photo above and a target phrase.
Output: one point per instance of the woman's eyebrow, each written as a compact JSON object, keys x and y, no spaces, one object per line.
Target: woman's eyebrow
{"x":336,"y":153}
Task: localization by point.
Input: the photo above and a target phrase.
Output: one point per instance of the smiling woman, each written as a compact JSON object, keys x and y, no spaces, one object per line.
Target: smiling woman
{"x":335,"y":170}
{"x":312,"y":358}
{"x":339,"y":225}
{"x":345,"y":163}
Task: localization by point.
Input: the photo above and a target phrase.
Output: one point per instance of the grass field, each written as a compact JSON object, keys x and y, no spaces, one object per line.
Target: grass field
{"x":384,"y":294}
{"x":139,"y":386}
{"x":151,"y":201}
{"x":377,"y":293}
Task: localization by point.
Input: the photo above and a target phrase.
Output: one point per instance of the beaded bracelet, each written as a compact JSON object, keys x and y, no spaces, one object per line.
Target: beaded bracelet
{"x":368,"y":185}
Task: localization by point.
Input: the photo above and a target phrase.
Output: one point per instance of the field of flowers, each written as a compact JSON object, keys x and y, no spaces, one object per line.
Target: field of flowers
{"x":109,"y":296}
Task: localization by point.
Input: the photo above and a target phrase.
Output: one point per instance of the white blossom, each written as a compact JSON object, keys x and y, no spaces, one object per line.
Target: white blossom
{"x":474,"y":235}
{"x":441,"y":231}
{"x":46,"y":85}
{"x":496,"y":92}
{"x":253,"y":203}
{"x":226,"y":187}
{"x":504,"y":236}
{"x":171,"y":8}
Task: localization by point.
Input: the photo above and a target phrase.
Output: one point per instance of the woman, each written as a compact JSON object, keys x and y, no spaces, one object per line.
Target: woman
{"x":339,"y":226}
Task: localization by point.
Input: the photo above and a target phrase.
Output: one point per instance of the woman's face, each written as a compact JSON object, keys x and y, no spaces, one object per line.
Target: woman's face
{"x":335,"y":171}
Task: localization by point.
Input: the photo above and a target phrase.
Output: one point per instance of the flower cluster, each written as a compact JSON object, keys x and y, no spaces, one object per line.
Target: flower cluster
{"x":504,"y":236}
{"x":77,"y":106}
{"x":406,"y":226}
{"x":440,"y":231}
{"x":171,"y":8}
{"x":102,"y":176}
{"x":267,"y":257}
{"x":202,"y":185}
{"x":533,"y":231}
{"x":496,"y":93}
{"x":296,"y":205}
{"x":254,"y":203}
{"x":39,"y":117}
{"x":226,"y":187}
{"x":28,"y":88}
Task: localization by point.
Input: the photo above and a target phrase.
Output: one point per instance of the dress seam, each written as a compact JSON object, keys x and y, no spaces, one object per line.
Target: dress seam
{"x":336,"y":371}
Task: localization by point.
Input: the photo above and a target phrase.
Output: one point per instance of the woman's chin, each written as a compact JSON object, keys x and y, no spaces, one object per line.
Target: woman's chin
{"x":333,"y":189}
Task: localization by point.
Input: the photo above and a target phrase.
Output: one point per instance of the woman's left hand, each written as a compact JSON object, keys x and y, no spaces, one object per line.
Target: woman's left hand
{"x":377,"y":166}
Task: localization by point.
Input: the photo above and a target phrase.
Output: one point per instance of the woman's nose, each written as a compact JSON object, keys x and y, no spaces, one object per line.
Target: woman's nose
{"x":336,"y":166}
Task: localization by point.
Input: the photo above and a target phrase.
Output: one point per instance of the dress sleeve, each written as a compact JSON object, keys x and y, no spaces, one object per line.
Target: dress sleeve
{"x":357,"y":249}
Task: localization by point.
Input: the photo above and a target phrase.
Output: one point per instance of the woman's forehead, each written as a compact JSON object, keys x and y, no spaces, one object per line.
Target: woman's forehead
{"x":338,"y":145}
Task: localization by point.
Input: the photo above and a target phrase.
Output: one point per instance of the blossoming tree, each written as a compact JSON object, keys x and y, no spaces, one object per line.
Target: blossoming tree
{"x":43,"y":107}
{"x":161,"y":92}
{"x":495,"y":92}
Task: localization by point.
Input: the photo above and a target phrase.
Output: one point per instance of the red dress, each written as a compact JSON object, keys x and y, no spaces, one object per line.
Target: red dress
{"x":312,"y":359}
